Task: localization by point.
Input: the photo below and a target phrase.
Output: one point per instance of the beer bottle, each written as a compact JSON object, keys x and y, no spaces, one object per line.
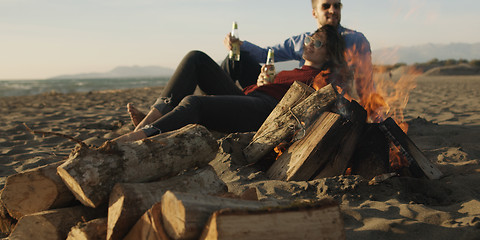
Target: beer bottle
{"x":269,"y":66}
{"x":235,"y":51}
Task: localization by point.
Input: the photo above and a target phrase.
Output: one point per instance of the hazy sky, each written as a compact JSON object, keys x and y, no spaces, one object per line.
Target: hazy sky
{"x":44,"y":38}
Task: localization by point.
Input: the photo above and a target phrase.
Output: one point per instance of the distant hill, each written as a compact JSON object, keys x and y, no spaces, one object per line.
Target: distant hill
{"x":123,"y":72}
{"x":455,"y":70}
{"x":426,"y":52}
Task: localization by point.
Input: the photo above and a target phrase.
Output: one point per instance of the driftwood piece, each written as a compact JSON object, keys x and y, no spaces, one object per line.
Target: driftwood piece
{"x":408,"y":148}
{"x":52,"y":224}
{"x":149,"y":226}
{"x":184,"y":214}
{"x":321,"y":220}
{"x":128,"y":201}
{"x":95,"y":229}
{"x":297,"y":118}
{"x":91,"y":173}
{"x":35,"y":190}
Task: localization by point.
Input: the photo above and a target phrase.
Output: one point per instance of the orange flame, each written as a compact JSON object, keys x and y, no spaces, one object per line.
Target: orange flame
{"x":380,"y":95}
{"x":397,"y":160}
{"x":281,"y":148}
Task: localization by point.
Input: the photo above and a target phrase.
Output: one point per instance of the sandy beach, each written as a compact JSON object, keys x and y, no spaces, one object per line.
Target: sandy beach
{"x":444,"y":118}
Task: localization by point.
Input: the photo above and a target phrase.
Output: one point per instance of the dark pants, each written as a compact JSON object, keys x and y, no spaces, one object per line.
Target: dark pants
{"x":245,"y":71}
{"x":225,"y":109}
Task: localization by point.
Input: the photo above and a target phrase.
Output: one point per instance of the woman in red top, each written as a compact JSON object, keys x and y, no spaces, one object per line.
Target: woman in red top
{"x":226,"y":108}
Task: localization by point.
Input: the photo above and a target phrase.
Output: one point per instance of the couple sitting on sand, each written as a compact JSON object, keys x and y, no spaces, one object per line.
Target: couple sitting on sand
{"x":227,"y":108}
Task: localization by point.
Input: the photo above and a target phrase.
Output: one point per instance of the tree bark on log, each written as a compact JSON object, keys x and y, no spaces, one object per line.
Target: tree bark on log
{"x":150,"y":226}
{"x":92,"y":230}
{"x":35,"y":190}
{"x":128,"y":201}
{"x":91,"y":173}
{"x":321,"y":220}
{"x":290,"y":119}
{"x":52,"y":224}
{"x":184,"y":215}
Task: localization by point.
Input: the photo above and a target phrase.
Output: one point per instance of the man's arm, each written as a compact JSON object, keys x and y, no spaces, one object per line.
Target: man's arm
{"x":290,"y":49}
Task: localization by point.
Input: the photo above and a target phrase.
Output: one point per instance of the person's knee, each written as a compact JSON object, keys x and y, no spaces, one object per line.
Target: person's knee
{"x":195,"y":55}
{"x":190,"y":102}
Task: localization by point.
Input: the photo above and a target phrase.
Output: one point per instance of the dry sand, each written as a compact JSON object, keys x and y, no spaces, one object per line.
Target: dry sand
{"x":444,"y":118}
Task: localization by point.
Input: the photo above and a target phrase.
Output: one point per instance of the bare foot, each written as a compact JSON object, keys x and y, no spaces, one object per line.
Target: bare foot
{"x":135,"y":114}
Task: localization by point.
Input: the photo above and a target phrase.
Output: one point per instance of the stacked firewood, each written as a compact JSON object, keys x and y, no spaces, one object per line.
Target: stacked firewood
{"x":164,"y":188}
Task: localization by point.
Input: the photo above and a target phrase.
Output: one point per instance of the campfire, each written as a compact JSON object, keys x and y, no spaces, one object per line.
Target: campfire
{"x":330,"y":134}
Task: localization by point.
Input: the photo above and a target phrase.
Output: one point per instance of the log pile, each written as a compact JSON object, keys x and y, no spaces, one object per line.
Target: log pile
{"x":164,"y":188}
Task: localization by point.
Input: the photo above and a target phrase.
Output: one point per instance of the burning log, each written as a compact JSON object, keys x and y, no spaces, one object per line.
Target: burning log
{"x":297,"y":112}
{"x":321,"y":220}
{"x":52,"y":224}
{"x":91,"y":230}
{"x":128,"y":201}
{"x":371,"y":156}
{"x":150,"y":226}
{"x":326,"y":149}
{"x":35,"y":190}
{"x":91,"y":173}
{"x":184,"y":214}
{"x":407,"y":147}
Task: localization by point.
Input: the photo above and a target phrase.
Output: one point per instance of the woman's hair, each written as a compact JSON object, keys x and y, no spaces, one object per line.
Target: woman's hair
{"x":335,"y":44}
{"x":338,"y":69}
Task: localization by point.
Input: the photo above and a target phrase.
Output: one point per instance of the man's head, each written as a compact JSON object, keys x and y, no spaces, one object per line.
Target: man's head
{"x":327,"y":12}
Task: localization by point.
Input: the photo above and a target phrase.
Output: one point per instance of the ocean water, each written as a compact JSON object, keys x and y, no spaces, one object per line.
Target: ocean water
{"x":32,"y":87}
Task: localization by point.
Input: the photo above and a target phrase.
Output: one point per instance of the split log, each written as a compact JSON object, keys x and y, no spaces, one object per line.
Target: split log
{"x":128,"y":201}
{"x":184,"y":214}
{"x":407,"y":147}
{"x":92,"y":230}
{"x":301,"y":160}
{"x":52,"y":224}
{"x":35,"y":190}
{"x":321,"y":220}
{"x":150,"y":226}
{"x":289,"y":119}
{"x":327,"y":148}
{"x":351,"y":129}
{"x":91,"y":173}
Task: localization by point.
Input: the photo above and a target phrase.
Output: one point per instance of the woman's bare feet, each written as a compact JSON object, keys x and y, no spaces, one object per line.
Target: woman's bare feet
{"x":135,"y":114}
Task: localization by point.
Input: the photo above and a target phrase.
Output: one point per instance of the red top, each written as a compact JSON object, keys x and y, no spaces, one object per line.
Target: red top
{"x":283,"y":80}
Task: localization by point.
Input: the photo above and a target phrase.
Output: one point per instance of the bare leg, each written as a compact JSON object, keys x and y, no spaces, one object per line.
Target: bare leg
{"x":135,"y":115}
{"x":152,"y":116}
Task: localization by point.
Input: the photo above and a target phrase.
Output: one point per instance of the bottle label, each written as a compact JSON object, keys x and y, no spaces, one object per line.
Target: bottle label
{"x":270,"y":71}
{"x":235,"y":52}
